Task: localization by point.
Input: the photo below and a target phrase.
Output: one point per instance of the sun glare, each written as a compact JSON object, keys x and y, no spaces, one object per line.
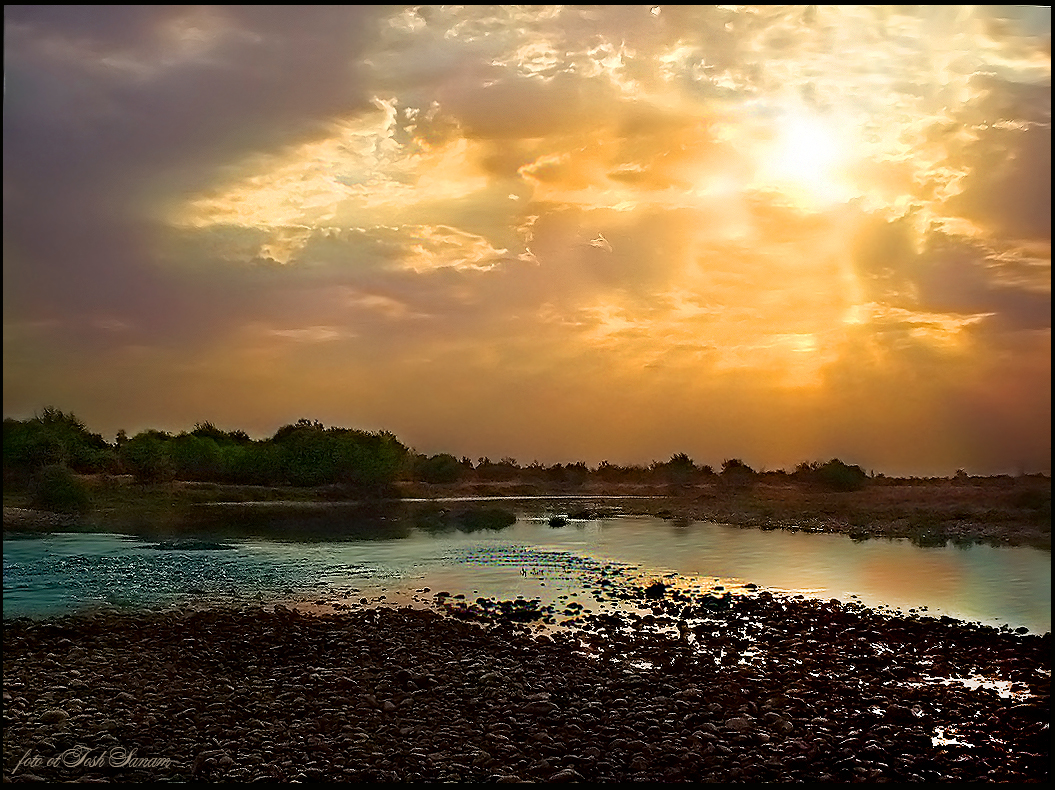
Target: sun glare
{"x":805,"y":159}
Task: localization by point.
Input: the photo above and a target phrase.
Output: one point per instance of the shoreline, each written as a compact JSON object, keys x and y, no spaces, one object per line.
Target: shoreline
{"x":755,"y":688}
{"x":995,"y":511}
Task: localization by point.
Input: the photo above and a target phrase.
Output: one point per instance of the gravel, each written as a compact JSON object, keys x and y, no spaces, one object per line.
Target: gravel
{"x":754,"y":688}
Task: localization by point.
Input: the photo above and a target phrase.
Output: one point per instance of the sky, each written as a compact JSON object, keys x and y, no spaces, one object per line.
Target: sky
{"x":547,"y":233}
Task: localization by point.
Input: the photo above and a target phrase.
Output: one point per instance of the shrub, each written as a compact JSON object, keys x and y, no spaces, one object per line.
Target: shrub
{"x":841,"y":477}
{"x":491,"y":518}
{"x":146,"y":456}
{"x":310,"y":454}
{"x":679,"y":470}
{"x":737,"y":472}
{"x":613,"y":473}
{"x":254,"y":463}
{"x":195,"y":457}
{"x":54,"y":437}
{"x":442,"y":468}
{"x":506,"y":469}
{"x":57,"y":489}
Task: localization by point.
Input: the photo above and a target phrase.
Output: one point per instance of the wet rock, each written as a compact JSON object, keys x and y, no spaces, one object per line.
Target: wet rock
{"x":567,"y":775}
{"x":739,"y":725}
{"x":54,"y":716}
{"x":409,"y":695}
{"x":655,"y":590}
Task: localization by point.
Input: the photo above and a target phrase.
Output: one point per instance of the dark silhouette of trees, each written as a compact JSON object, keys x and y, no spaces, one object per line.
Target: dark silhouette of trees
{"x":614,"y":473}
{"x":679,"y":470}
{"x":505,"y":470}
{"x":736,"y":472}
{"x":308,"y":453}
{"x":833,"y":475}
{"x":575,"y":474}
{"x":841,"y":477}
{"x":441,"y":468}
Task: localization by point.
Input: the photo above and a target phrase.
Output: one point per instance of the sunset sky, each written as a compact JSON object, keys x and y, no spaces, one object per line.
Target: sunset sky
{"x":549,"y":233}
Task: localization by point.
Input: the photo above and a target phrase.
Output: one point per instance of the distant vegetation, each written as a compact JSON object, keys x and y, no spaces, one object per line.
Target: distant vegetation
{"x":45,"y":452}
{"x":306,"y":453}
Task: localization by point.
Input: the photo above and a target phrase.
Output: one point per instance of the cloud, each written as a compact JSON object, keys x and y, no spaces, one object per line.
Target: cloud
{"x":799,"y":229}
{"x":931,"y":271}
{"x":601,"y":243}
{"x":1007,"y":189}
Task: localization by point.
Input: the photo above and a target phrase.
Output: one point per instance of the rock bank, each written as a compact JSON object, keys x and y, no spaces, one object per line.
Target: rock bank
{"x":748,"y":689}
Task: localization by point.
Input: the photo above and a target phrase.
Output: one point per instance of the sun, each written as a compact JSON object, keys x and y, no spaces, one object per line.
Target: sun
{"x":805,"y":159}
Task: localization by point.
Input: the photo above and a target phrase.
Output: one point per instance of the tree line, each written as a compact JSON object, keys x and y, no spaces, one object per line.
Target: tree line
{"x":308,"y":453}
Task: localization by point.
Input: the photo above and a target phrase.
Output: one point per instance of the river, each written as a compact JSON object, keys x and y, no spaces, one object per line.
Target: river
{"x":67,"y":572}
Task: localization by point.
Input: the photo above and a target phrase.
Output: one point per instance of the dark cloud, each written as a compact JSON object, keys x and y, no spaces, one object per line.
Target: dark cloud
{"x":939,"y":273}
{"x":87,"y":146}
{"x":1008,"y":189}
{"x":274,"y":74}
{"x":955,"y":276}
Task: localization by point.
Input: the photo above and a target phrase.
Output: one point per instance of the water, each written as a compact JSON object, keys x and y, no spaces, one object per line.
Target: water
{"x":61,"y":573}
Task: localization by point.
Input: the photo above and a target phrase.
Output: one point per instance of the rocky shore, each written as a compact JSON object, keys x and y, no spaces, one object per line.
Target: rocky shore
{"x":753,"y":688}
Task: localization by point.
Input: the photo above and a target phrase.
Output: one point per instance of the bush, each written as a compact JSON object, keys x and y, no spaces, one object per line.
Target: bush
{"x":679,"y":470}
{"x":146,"y":457}
{"x":490,"y":518}
{"x":442,"y":468}
{"x":841,"y":477}
{"x":737,"y":472}
{"x":255,"y":463}
{"x":575,"y":474}
{"x":310,"y":454}
{"x":54,"y":438}
{"x":504,"y":470}
{"x":195,"y":457}
{"x":57,"y":489}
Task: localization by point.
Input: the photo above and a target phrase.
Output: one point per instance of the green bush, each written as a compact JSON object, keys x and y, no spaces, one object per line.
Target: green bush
{"x":195,"y":457}
{"x":309,"y":454}
{"x":52,"y":438}
{"x":57,"y":489}
{"x":146,"y":456}
{"x":442,"y":468}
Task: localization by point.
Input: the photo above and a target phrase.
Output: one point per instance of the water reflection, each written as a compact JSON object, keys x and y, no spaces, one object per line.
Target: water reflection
{"x":484,"y":548}
{"x":339,"y":521}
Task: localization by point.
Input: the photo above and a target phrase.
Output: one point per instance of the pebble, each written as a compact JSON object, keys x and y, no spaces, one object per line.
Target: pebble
{"x":400,"y":695}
